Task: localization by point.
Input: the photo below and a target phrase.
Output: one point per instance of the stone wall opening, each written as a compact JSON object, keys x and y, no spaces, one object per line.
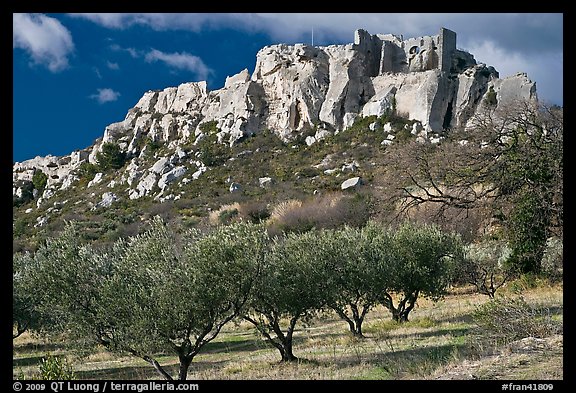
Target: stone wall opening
{"x":447,"y":117}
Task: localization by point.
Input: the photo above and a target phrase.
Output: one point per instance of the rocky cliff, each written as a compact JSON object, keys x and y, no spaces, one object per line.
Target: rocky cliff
{"x":294,"y":89}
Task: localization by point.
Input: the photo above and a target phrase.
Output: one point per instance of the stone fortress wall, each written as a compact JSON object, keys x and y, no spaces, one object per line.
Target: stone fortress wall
{"x":391,"y":53}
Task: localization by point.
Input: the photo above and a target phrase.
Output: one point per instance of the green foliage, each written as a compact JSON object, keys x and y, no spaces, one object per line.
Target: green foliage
{"x":403,"y":135}
{"x":27,"y":194}
{"x":153,"y":293}
{"x":111,"y":157}
{"x":491,"y":99}
{"x":254,"y":212}
{"x":529,"y":174}
{"x":356,"y":262}
{"x":56,"y":368}
{"x":67,"y":277}
{"x":226,"y":216}
{"x":212,"y":153}
{"x":291,"y":287}
{"x":507,"y":319}
{"x":423,"y":264}
{"x":39,"y":179}
{"x":152,"y":146}
{"x":87,"y":170}
{"x":527,"y":234}
{"x":209,"y":127}
{"x":485,"y":267}
{"x":25,"y":297}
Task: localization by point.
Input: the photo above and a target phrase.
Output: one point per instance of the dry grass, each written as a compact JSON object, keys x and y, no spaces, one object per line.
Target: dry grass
{"x":433,"y":345}
{"x":215,"y":216}
{"x":284,"y":208}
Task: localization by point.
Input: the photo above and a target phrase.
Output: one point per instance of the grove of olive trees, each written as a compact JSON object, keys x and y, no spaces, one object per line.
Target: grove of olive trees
{"x":161,"y":291}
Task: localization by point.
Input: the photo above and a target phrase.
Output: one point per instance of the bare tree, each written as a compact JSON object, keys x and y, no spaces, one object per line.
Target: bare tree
{"x":507,"y":164}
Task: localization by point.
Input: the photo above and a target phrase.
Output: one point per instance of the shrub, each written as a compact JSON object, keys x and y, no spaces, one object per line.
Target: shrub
{"x":87,"y":170}
{"x":254,"y":212}
{"x":111,"y":157}
{"x":152,"y":146}
{"x":39,"y":179}
{"x":324,"y":211}
{"x":225,"y":214}
{"x":212,"y":153}
{"x":506,"y":319}
{"x":56,"y":368}
{"x":209,"y":127}
{"x":484,"y":266}
{"x":491,"y":99}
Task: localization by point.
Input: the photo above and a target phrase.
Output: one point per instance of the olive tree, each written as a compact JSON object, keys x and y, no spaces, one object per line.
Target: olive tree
{"x":422,"y":264}
{"x":65,"y":279}
{"x":25,"y":298}
{"x":485,"y":267}
{"x":290,"y":288}
{"x":155,"y":292}
{"x":356,"y":268}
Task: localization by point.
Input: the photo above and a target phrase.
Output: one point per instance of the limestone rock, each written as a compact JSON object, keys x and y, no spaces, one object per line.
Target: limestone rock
{"x":235,"y":187}
{"x":97,"y":179}
{"x":107,"y":199}
{"x":161,"y":166}
{"x":240,"y":78}
{"x":351,"y":183}
{"x":295,"y":88}
{"x":170,"y":176}
{"x":145,"y":186}
{"x":41,"y":221}
{"x":265,"y":181}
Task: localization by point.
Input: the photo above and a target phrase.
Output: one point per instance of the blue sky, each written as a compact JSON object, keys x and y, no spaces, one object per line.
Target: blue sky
{"x":73,"y":74}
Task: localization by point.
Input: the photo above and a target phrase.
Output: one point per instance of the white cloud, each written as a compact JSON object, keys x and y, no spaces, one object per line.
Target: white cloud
{"x":182,"y":61}
{"x":165,"y":21}
{"x":133,"y":52}
{"x":45,"y":39}
{"x":105,"y":95}
{"x":112,"y":66}
{"x":97,"y":72}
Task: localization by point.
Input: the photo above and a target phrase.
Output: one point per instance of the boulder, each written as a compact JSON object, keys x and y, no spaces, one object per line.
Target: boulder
{"x":107,"y":199}
{"x":97,"y":179}
{"x":170,"y":176}
{"x":265,"y":181}
{"x":235,"y":187}
{"x":351,"y":183}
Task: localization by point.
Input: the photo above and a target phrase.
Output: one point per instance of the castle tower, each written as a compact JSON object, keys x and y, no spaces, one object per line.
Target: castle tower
{"x":446,"y":49}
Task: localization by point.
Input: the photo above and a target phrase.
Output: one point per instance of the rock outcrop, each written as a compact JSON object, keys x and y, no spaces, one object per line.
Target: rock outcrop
{"x":295,"y":89}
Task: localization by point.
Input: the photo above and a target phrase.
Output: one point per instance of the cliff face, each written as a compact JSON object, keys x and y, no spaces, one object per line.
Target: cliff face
{"x":296,"y":88}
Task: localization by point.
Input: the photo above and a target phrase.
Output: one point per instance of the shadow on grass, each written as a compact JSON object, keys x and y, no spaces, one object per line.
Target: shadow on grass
{"x":454,"y":332}
{"x":232,"y":346}
{"x":145,"y":371}
{"x":551,"y":310}
{"x":420,"y":361}
{"x":376,"y":334}
{"x":29,"y":361}
{"x":125,"y":373}
{"x":37,"y":347}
